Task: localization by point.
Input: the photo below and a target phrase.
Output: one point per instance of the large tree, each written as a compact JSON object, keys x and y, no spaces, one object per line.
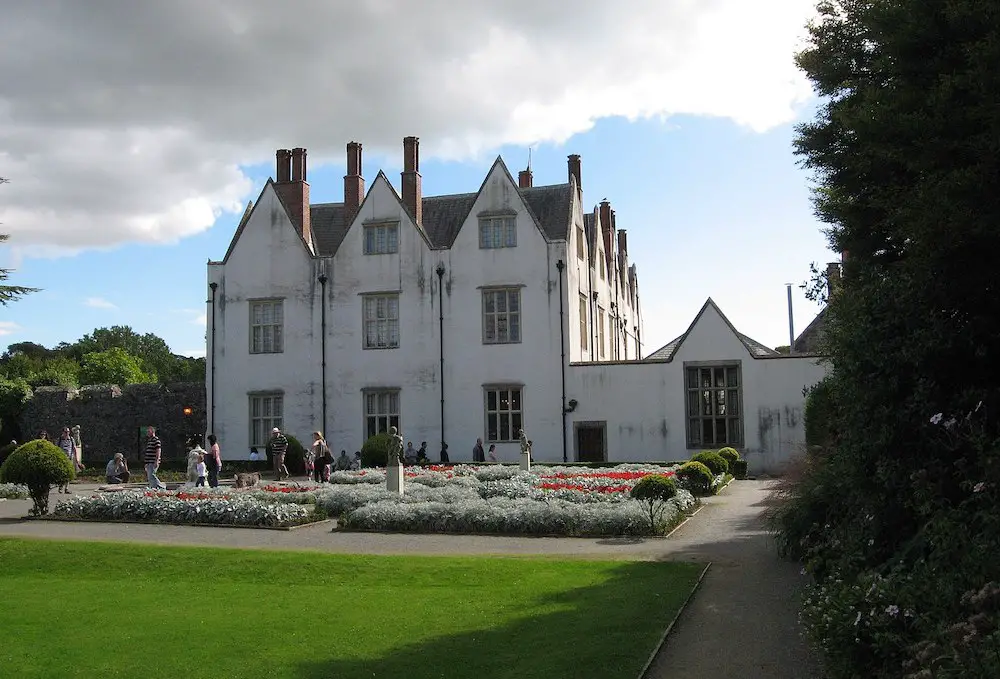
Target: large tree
{"x":906,"y":160}
{"x":10,"y":293}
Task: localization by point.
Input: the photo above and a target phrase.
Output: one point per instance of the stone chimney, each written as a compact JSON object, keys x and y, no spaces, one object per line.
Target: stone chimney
{"x":623,"y":242}
{"x":354,"y":183}
{"x":524,"y":178}
{"x":292,"y":188}
{"x":412,"y":195}
{"x":832,"y":278}
{"x":573,"y":162}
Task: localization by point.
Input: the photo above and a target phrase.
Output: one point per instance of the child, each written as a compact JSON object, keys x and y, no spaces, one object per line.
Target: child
{"x":200,"y":470}
{"x":310,"y":463}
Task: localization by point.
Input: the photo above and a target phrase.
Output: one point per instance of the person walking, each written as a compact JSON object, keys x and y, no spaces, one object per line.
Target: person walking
{"x":321,"y":458}
{"x":152,"y":458}
{"x":477,"y":452}
{"x":279,"y":446}
{"x":200,"y":471}
{"x":491,"y":455}
{"x":444,"y":453}
{"x":214,"y":461}
{"x":68,"y":446}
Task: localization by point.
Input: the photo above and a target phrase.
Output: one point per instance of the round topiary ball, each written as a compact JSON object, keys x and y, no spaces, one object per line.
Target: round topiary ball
{"x":730,"y":455}
{"x":654,"y":487}
{"x":715,"y":462}
{"x":695,"y":476}
{"x":39,"y":465}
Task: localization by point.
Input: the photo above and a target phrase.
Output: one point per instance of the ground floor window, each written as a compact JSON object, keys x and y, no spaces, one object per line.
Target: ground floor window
{"x":381,"y":411}
{"x":266,"y":413}
{"x":503,"y":413}
{"x":714,"y":415}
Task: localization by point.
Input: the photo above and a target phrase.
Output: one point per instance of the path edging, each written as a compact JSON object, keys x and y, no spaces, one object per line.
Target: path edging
{"x":73,"y":519}
{"x":670,"y":627}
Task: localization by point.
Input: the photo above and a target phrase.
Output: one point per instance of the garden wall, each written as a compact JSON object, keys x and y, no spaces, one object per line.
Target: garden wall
{"x":111,"y":417}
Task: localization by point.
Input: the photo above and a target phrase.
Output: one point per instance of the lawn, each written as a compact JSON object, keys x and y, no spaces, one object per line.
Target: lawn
{"x":78,"y":609}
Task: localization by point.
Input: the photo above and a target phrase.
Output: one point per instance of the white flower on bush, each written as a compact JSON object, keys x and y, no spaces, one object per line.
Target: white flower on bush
{"x":137,"y":506}
{"x":13,"y":491}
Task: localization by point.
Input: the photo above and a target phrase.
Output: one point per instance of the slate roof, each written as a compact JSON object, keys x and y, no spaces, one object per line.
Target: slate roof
{"x":443,"y":216}
{"x":810,"y":340}
{"x":668,"y":350}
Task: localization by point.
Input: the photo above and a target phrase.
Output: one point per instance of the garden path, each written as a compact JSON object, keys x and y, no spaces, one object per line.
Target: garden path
{"x":742,"y":622}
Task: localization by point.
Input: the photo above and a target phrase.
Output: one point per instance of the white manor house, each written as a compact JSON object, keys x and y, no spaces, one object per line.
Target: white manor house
{"x":471,"y":316}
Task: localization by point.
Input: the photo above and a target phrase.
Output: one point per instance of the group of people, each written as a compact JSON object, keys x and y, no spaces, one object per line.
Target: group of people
{"x":319,"y":460}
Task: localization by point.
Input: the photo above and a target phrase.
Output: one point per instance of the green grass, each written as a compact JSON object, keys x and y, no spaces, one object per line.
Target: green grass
{"x":80,"y":609}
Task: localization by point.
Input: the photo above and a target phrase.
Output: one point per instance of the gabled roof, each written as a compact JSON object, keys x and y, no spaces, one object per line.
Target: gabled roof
{"x":443,"y":217}
{"x":669,"y":350}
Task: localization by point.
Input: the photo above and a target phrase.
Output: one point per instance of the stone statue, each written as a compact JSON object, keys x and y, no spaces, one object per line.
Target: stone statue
{"x":395,"y":447}
{"x":75,"y":433}
{"x":525,"y":443}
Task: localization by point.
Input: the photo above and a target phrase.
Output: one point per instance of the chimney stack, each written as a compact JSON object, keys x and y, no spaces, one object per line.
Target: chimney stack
{"x":607,"y":228}
{"x":524,"y":178}
{"x":354,"y":183}
{"x":412,"y":195}
{"x":574,"y":171}
{"x":623,"y":242}
{"x":293,"y":190}
{"x":832,"y":278}
{"x":283,"y":164}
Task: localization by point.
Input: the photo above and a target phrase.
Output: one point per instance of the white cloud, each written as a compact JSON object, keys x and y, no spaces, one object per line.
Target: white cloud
{"x":8,"y":328}
{"x":201,"y":319}
{"x":132,"y":120}
{"x":99,"y":303}
{"x":194,"y":353}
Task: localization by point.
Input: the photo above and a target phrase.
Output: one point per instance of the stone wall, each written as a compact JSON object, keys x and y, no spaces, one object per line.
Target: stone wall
{"x":110,"y":417}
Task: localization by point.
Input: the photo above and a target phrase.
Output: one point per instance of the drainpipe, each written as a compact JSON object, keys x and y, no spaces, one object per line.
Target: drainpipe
{"x":214,"y":286}
{"x":322,"y":283}
{"x":440,"y":274}
{"x":562,"y":353}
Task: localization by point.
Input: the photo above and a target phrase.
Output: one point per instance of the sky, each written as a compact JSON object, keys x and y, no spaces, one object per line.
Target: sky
{"x":133,"y":135}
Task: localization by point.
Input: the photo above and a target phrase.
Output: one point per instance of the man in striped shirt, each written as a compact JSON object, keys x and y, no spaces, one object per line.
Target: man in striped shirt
{"x":279,"y":446}
{"x":152,"y":459}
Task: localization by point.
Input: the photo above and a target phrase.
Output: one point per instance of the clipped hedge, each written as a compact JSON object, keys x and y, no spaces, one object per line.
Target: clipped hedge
{"x":39,"y":465}
{"x":715,"y":462}
{"x":730,"y":455}
{"x":375,"y":451}
{"x":739,"y":469}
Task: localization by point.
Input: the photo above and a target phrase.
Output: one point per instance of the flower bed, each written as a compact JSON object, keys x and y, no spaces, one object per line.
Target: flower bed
{"x":500,"y":499}
{"x":13,"y":491}
{"x":184,"y":508}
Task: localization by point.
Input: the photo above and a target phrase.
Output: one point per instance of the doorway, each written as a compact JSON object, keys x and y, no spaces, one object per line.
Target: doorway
{"x":591,"y":441}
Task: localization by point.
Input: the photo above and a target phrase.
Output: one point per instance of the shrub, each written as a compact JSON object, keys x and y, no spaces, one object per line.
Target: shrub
{"x":738,"y":468}
{"x":730,"y":455}
{"x":375,"y":451}
{"x":696,"y":477}
{"x":819,"y":415}
{"x":654,"y":491}
{"x":6,"y":450}
{"x":295,"y":456}
{"x":715,"y":462}
{"x":38,"y":465}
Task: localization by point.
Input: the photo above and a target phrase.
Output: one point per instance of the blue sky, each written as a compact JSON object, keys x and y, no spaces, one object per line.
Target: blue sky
{"x":712,"y":208}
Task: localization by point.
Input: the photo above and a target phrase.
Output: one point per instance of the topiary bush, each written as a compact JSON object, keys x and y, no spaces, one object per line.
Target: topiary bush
{"x":696,"y":477}
{"x":375,"y":451}
{"x":730,"y":455}
{"x":654,"y":491}
{"x":39,"y":465}
{"x":738,"y":468}
{"x":715,"y":462}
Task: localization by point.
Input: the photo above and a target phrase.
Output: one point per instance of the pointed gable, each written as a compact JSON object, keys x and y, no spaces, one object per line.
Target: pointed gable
{"x":266,"y":193}
{"x":713,"y":333}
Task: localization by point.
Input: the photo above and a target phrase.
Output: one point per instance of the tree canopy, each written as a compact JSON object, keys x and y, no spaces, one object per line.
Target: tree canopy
{"x":907,"y":179}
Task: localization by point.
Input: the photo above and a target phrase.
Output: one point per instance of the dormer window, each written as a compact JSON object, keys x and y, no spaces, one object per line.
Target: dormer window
{"x":498,"y":232}
{"x":381,"y":239}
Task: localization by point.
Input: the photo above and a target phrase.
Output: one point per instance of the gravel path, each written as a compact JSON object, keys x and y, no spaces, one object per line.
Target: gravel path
{"x":742,"y":622}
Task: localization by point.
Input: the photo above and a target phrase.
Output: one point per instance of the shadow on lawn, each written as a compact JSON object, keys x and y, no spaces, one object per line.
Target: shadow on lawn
{"x":602,"y":631}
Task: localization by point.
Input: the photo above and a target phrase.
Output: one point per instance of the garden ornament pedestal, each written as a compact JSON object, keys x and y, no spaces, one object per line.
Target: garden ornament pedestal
{"x":394,"y":477}
{"x":394,"y":463}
